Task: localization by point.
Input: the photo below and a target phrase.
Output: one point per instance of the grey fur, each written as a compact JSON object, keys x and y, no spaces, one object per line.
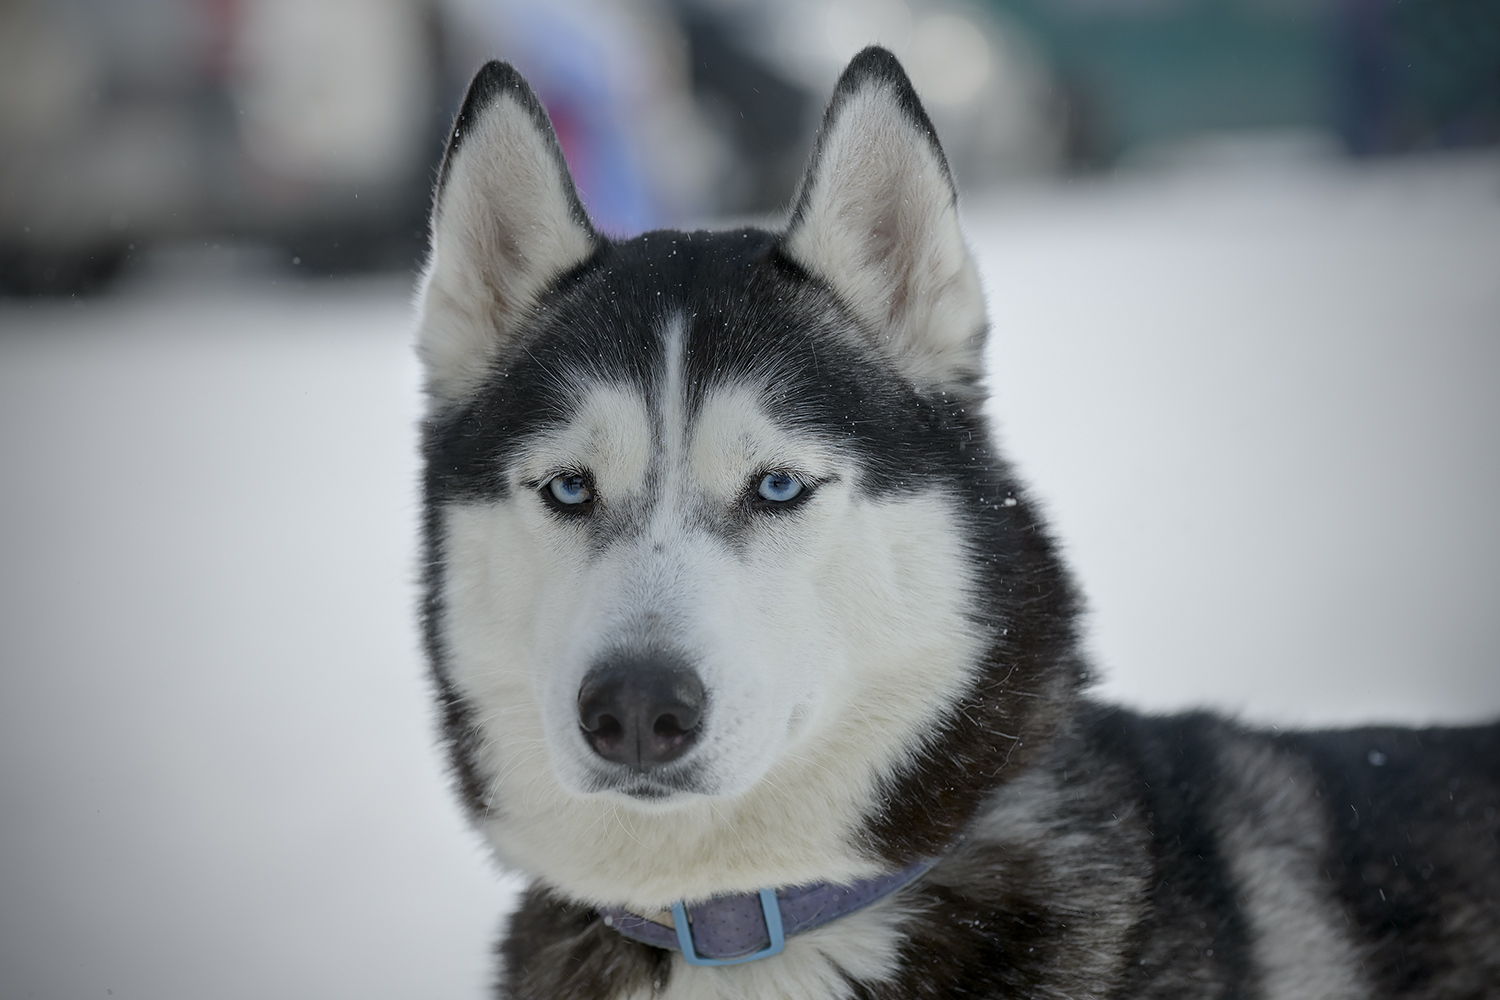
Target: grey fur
{"x":1067,"y":886}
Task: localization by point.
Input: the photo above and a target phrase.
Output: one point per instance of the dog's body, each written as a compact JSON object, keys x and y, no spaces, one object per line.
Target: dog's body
{"x":728,"y":591}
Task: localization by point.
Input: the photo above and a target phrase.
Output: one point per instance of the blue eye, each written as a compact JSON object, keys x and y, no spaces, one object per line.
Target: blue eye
{"x":570,"y":490}
{"x":778,"y":487}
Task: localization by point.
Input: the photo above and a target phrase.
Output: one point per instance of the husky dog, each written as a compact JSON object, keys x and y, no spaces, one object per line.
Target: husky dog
{"x":753,"y":654}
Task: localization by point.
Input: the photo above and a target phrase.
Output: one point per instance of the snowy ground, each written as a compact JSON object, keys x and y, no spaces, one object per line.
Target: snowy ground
{"x":1262,"y":406}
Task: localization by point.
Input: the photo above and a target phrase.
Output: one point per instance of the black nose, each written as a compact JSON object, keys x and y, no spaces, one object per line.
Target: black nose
{"x":641,"y":711}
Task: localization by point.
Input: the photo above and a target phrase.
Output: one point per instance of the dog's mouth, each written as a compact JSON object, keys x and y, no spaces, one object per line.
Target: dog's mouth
{"x":652,"y":787}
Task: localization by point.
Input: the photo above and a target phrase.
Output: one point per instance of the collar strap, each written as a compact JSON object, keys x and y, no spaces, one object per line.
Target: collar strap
{"x":727,"y":930}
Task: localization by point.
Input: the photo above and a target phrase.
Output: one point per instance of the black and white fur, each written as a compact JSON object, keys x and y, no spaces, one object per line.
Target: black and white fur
{"x":888,"y":664}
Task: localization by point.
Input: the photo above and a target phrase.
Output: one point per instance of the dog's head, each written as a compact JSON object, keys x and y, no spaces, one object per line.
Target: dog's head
{"x":719,"y":558}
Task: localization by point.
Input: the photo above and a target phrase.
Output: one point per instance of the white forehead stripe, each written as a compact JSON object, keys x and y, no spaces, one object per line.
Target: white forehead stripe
{"x":672,"y":400}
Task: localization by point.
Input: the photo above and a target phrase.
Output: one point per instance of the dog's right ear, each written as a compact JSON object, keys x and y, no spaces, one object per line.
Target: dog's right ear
{"x":877,"y":219}
{"x":506,"y":221}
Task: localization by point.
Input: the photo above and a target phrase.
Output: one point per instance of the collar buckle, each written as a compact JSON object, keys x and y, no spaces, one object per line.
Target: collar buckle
{"x":770,"y":908}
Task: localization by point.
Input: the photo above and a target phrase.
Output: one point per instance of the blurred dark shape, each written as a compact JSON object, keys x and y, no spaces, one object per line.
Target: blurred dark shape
{"x":303,"y":134}
{"x":761,"y":70}
{"x":753,"y":101}
{"x":1419,"y":75}
{"x":1134,"y":73}
{"x":308,"y":130}
{"x":304,"y":126}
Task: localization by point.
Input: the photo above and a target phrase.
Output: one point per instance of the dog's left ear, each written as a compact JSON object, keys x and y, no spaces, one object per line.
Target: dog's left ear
{"x":877,"y":219}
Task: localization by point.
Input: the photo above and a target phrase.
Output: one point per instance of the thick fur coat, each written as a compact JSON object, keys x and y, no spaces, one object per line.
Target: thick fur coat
{"x":741,"y":478}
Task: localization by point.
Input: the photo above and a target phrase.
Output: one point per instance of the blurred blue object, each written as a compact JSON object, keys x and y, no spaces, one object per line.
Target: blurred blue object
{"x":614,"y":76}
{"x":575,"y":58}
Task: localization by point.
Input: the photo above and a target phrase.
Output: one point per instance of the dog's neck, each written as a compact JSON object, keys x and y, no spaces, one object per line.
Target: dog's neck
{"x":741,"y":927}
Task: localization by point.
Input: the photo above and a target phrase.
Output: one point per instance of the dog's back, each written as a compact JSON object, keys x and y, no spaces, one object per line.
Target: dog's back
{"x":1415,"y":851}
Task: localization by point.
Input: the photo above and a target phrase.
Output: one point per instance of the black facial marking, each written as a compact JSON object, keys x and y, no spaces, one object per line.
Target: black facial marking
{"x":747,"y":321}
{"x":459,"y":728}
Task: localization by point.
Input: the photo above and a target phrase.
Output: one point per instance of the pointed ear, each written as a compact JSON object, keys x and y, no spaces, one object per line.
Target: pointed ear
{"x":506,"y":221}
{"x":877,"y":219}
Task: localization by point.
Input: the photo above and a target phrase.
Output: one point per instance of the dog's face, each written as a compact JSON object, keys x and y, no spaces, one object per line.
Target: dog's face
{"x":702,"y":508}
{"x":689,"y":566}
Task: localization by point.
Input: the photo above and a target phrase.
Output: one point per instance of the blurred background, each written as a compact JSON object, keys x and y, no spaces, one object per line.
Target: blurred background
{"x":305,"y":131}
{"x":1243,"y":259}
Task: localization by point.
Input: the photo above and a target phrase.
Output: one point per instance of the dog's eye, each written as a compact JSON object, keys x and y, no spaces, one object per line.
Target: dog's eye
{"x":569,"y":490}
{"x":778,"y":487}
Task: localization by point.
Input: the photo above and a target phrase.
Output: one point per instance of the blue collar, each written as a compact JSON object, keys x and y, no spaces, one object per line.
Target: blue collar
{"x":728,"y":930}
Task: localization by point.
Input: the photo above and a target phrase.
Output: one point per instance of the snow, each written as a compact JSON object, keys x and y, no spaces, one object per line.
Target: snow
{"x":218,"y":766}
{"x":1263,"y":408}
{"x":1260,"y":407}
